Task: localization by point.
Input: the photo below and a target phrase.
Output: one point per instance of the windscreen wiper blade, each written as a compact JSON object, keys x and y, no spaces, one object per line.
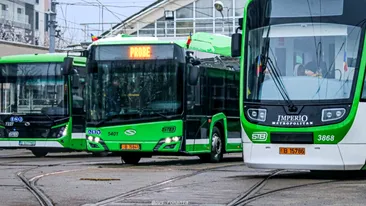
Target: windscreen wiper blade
{"x":162,"y":115}
{"x":275,"y":74}
{"x":109,"y":118}
{"x":48,"y":116}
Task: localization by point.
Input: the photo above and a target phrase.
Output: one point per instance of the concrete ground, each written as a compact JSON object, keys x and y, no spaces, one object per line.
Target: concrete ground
{"x":81,"y":179}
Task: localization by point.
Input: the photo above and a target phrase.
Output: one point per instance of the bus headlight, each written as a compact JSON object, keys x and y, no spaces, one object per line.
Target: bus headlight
{"x":332,"y":114}
{"x":257,"y":114}
{"x":171,"y":139}
{"x":59,"y":132}
{"x":64,"y":132}
{"x":94,"y":139}
{"x":168,"y":140}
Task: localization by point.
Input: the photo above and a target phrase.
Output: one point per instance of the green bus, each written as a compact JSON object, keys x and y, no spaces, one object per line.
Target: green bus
{"x":302,"y":85}
{"x":42,"y":103}
{"x":148,"y":97}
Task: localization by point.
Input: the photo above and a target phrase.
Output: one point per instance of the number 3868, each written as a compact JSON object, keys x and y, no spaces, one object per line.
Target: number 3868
{"x":327,"y":138}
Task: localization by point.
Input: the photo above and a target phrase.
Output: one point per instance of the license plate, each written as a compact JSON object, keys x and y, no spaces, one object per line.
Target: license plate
{"x":27,"y":143}
{"x":13,"y":134}
{"x":130,"y":147}
{"x":292,"y":151}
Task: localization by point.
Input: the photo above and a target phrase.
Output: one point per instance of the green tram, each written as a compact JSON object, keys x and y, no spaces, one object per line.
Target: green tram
{"x":150,"y":97}
{"x":42,"y":103}
{"x":302,"y":87}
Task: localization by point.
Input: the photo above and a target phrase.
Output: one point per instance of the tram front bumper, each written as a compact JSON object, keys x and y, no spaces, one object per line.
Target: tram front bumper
{"x":316,"y":156}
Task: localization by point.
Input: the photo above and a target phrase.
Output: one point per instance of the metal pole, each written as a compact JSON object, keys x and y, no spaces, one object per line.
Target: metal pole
{"x":102,"y":19}
{"x":53,"y":27}
{"x":86,"y":33}
{"x":223,"y":23}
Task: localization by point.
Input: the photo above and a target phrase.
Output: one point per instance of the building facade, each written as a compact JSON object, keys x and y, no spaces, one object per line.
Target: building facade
{"x":24,"y":21}
{"x":188,"y":16}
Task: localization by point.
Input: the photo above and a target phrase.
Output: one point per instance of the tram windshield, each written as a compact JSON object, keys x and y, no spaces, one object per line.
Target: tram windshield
{"x":309,"y":61}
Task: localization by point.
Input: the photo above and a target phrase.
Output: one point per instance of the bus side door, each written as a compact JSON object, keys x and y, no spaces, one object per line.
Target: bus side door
{"x":78,"y":104}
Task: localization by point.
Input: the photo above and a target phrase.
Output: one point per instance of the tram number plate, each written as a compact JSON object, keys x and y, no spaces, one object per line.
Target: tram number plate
{"x":292,"y":151}
{"x":27,"y":143}
{"x":130,"y":147}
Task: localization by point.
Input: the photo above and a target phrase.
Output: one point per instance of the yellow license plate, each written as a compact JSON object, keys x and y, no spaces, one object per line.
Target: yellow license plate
{"x":130,"y":147}
{"x":292,"y":151}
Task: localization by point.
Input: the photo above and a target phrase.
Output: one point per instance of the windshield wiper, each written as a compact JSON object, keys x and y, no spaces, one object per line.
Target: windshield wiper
{"x":158,"y":113}
{"x":109,"y":118}
{"x":275,"y":74}
{"x":48,"y":116}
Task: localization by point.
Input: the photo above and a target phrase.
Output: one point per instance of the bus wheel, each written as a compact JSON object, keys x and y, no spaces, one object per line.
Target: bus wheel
{"x":216,"y":147}
{"x":130,"y":158}
{"x":39,"y":153}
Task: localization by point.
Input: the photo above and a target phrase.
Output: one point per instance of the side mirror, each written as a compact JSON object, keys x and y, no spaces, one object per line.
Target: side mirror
{"x":75,"y":81}
{"x":68,"y":65}
{"x":85,"y":53}
{"x":92,"y":66}
{"x":236,"y":45}
{"x":194,"y":72}
{"x":241,"y":23}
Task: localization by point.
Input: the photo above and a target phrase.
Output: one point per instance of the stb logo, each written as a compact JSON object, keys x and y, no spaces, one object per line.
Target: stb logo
{"x":260,"y":136}
{"x":130,"y":132}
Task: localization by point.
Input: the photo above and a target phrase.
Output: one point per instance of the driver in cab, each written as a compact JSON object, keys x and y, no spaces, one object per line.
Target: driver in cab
{"x":316,"y":67}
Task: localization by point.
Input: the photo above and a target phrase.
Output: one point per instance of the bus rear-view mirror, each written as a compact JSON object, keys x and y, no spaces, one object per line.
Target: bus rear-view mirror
{"x":236,"y":45}
{"x":67,"y":66}
{"x":75,"y":81}
{"x":193,"y":74}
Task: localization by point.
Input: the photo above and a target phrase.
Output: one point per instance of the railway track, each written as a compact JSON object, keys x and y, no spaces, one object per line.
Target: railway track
{"x":156,"y":186}
{"x":253,"y":194}
{"x":31,"y":186}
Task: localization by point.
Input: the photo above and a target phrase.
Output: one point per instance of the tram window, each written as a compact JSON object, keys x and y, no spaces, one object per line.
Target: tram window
{"x":363,"y":93}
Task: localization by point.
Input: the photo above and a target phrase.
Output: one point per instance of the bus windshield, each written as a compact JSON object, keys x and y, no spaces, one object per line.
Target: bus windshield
{"x":132,"y":89}
{"x":313,"y":61}
{"x":33,"y":88}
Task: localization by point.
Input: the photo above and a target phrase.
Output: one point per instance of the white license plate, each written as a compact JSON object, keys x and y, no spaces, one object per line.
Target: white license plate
{"x":13,"y":134}
{"x":27,"y":143}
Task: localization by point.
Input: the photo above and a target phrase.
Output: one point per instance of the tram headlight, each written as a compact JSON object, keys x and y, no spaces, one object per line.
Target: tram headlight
{"x":90,"y":138}
{"x":257,"y":114}
{"x":332,"y":114}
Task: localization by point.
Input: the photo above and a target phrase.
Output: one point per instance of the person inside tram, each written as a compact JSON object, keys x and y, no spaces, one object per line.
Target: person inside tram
{"x":313,"y":68}
{"x":299,"y":70}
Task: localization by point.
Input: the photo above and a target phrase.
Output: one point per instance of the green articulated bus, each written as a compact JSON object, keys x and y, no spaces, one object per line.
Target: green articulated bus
{"x":41,"y":103}
{"x":302,"y":87}
{"x":150,"y":97}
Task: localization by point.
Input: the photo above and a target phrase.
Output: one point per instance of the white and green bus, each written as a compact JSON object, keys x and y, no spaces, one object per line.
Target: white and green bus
{"x":42,"y":103}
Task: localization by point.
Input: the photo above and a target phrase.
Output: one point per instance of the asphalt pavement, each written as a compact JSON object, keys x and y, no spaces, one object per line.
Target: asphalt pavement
{"x":81,"y":179}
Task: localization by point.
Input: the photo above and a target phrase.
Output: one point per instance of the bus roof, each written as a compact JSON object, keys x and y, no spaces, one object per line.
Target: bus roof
{"x":200,"y":41}
{"x":38,"y":58}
